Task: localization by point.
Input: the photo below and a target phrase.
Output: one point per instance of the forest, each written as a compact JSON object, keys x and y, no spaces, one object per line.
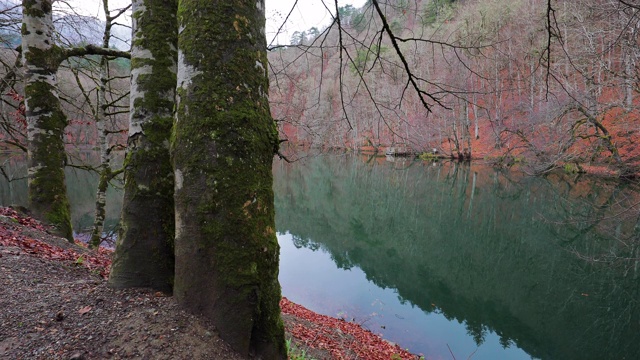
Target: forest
{"x":514,"y":82}
{"x":190,"y":131}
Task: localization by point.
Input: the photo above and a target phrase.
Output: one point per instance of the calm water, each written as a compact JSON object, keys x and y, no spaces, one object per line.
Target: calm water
{"x":451,"y":259}
{"x":465,"y":260}
{"x":81,"y":187}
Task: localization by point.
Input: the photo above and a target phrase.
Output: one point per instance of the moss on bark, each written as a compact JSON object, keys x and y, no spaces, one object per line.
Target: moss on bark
{"x":100,"y":214}
{"x":144,"y":252}
{"x":47,"y":158}
{"x":223,"y":146}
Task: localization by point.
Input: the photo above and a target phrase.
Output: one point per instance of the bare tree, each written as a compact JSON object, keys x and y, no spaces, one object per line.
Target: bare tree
{"x":42,"y":57}
{"x":105,"y":109}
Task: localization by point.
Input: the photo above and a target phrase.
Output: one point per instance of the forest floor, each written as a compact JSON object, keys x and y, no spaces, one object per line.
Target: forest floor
{"x":55,"y":304}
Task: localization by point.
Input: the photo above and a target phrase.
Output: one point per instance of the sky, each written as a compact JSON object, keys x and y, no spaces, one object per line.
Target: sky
{"x":307,"y":14}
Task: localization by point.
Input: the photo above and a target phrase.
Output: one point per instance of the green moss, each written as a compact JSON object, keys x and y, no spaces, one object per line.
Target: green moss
{"x":47,"y":189}
{"x":48,"y":196}
{"x":570,"y":168}
{"x":223,"y":144}
{"x":31,"y":8}
{"x":148,"y":217}
{"x":47,"y":59}
{"x":103,"y":184}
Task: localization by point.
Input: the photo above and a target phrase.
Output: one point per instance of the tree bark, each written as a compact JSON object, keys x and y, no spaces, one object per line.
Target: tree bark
{"x":144,"y":250}
{"x":223,"y":147}
{"x":101,"y":119}
{"x":45,"y":120}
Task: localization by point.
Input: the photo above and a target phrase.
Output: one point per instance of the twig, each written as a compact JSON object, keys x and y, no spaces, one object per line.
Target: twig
{"x":453,"y":356}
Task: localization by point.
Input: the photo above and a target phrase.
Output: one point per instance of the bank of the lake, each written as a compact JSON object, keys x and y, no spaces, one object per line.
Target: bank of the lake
{"x":450,"y":257}
{"x":56,"y":305}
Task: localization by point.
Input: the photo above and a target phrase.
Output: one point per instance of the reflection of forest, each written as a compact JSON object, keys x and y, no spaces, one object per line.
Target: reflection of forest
{"x":496,"y":251}
{"x":81,"y":187}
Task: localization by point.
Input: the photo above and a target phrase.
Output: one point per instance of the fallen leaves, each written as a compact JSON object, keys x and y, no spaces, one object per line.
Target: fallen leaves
{"x":98,"y":261}
{"x":25,"y":221}
{"x":352,"y":337}
{"x":84,"y":310}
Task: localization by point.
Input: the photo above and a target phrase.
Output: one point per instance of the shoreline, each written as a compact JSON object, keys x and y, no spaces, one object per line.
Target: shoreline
{"x":28,"y":251}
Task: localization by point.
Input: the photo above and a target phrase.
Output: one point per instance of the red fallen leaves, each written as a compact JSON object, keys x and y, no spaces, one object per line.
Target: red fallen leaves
{"x":99,"y":261}
{"x":364,"y":343}
{"x":26,"y":221}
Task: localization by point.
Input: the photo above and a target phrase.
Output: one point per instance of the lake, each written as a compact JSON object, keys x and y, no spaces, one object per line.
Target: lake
{"x":450,"y":260}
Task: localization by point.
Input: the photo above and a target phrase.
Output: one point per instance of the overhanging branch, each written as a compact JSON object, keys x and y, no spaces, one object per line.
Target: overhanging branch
{"x":95,"y":50}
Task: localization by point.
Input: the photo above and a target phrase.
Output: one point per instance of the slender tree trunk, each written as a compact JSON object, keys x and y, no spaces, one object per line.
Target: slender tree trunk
{"x":225,"y":138}
{"x":46,"y":122}
{"x":532,"y":85}
{"x":466,"y":132}
{"x":144,"y":250}
{"x":629,"y":68}
{"x":476,"y":128}
{"x":456,"y":140}
{"x":101,"y":119}
{"x":105,"y":167}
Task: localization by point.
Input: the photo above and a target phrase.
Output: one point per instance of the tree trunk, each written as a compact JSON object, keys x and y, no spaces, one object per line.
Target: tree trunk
{"x":144,"y":250}
{"x":466,"y":133}
{"x":101,"y":120}
{"x":225,"y":138}
{"x":46,"y":122}
{"x":105,"y":166}
{"x":629,"y":69}
{"x":100,"y":211}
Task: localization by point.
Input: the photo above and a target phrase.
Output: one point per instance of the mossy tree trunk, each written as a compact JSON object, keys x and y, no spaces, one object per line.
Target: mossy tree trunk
{"x":223,"y":146}
{"x":45,"y":120}
{"x":144,"y":251}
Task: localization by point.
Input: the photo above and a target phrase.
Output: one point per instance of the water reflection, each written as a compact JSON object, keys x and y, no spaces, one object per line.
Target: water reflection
{"x":312,"y":278}
{"x":501,"y":259}
{"x":81,"y":188}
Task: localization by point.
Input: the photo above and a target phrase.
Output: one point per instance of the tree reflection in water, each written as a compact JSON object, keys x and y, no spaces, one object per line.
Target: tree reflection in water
{"x":549,"y":264}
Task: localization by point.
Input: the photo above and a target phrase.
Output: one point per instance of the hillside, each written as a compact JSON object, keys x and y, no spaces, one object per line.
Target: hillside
{"x":493,"y":87}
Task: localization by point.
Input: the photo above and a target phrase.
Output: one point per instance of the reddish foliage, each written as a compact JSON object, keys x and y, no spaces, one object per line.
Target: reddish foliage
{"x":363,"y":343}
{"x":96,"y":260}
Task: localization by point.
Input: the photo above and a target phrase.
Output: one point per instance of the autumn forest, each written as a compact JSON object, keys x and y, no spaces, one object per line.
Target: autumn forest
{"x":508,"y":81}
{"x":513,"y":82}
